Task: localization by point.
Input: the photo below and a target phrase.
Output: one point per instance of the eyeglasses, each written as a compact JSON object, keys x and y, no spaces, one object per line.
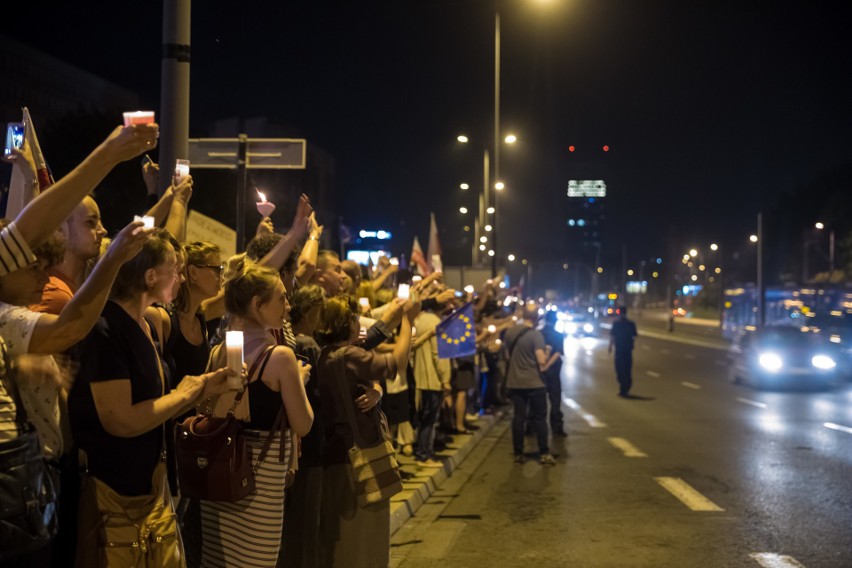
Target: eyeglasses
{"x":217,"y":267}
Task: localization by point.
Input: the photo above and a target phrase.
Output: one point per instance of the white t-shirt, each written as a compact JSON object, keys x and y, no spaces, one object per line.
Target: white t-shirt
{"x":8,"y":428}
{"x":41,"y":400}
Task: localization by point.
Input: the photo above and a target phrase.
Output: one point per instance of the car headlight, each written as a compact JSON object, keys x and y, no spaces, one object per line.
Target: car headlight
{"x":572,"y":328}
{"x":588,"y":328}
{"x":770,"y":361}
{"x":823,"y":362}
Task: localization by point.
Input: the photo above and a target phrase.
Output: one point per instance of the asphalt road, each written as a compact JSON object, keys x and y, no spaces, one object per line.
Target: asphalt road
{"x":762,"y":480}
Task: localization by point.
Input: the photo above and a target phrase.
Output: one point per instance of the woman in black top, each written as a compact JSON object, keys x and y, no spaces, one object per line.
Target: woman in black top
{"x":248,"y":533}
{"x":120,"y":400}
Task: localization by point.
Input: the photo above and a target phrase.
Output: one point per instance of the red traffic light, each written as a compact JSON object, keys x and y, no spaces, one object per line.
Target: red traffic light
{"x":606,"y":148}
{"x":571,"y":148}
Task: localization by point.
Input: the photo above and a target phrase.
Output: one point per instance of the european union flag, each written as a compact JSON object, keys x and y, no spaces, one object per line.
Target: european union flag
{"x":456,"y":334}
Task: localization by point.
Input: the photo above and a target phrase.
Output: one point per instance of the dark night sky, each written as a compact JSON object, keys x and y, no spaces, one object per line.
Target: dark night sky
{"x":711,"y":108}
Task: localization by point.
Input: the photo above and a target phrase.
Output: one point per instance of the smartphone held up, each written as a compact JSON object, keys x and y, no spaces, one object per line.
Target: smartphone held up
{"x":14,"y":137}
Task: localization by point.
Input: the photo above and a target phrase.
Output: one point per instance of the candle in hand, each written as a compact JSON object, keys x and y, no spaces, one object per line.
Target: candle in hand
{"x":264,"y":207}
{"x":234,"y":351}
{"x":139,"y":117}
{"x":181,"y":170}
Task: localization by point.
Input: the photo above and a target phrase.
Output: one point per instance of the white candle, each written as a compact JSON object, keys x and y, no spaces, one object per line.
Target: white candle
{"x":234,"y":351}
{"x":404,"y":291}
{"x":181,"y":170}
{"x":264,"y":207}
{"x":139,"y":117}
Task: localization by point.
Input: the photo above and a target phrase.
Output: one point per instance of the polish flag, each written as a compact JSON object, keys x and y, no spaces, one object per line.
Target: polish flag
{"x":434,"y":250}
{"x":19,"y":194}
{"x":418,"y":260}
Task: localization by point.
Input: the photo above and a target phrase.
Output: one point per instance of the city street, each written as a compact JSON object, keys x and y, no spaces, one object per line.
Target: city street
{"x":698,"y":472}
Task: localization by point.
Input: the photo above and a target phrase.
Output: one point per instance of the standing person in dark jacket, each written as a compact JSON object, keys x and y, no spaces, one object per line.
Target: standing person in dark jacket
{"x":621,"y":337}
{"x":551,"y":371}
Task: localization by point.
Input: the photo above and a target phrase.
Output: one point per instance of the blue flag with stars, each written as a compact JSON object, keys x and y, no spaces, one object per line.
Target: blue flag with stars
{"x":456,"y":334}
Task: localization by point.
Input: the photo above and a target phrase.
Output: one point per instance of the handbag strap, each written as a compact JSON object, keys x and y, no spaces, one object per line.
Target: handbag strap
{"x":260,"y":360}
{"x":281,"y":423}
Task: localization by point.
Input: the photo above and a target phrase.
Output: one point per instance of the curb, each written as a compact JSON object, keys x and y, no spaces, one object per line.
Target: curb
{"x":426,"y":481}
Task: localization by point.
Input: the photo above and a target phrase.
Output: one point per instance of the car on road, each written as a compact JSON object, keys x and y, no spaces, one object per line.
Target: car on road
{"x":576,"y":325}
{"x":783,"y":356}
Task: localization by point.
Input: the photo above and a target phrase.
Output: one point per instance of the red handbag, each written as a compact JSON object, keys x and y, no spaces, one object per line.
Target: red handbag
{"x":213,"y":459}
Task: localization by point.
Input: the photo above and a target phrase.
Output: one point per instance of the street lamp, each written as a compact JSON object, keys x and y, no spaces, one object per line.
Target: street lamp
{"x":510,"y":139}
{"x":821,"y":226}
{"x":462,"y":138}
{"x":488,"y":228}
{"x":693,"y":253}
{"x":464,"y":186}
{"x":752,"y":238}
{"x":490,"y":210}
{"x":511,"y":258}
{"x":499,"y":186}
{"x":463,"y":210}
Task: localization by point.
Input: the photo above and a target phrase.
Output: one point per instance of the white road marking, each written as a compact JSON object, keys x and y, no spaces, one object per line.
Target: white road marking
{"x":687,"y":495}
{"x":688,"y":356}
{"x":646,"y":347}
{"x":752,"y":402}
{"x":773,"y":560}
{"x":589,"y":418}
{"x":653,"y":374}
{"x":838,"y":427}
{"x":629,"y":450}
{"x":691,"y":385}
{"x":665,"y":351}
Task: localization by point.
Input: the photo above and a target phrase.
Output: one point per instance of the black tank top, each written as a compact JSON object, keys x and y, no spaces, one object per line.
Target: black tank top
{"x":188,"y":359}
{"x":264,"y":403}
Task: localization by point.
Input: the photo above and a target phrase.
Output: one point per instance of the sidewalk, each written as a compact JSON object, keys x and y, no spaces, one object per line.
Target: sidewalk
{"x":427,"y":481}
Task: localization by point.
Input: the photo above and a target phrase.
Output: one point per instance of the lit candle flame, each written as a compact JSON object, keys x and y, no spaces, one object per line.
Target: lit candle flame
{"x":262,"y":196}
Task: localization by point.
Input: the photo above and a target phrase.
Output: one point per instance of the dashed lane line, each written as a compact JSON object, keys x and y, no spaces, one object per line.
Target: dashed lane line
{"x":838,"y":427}
{"x":688,"y":356}
{"x":646,"y":347}
{"x":687,"y":495}
{"x":589,"y":418}
{"x":654,"y":374}
{"x":752,"y":402}
{"x":665,"y":351}
{"x":691,"y":385}
{"x":629,"y":450}
{"x":773,"y":560}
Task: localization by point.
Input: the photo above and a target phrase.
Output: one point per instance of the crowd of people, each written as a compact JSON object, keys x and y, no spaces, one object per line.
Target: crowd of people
{"x":108,"y":344}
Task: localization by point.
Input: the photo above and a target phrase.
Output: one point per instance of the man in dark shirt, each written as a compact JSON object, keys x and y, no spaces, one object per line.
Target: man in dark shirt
{"x":621,"y":336}
{"x":555,"y":341}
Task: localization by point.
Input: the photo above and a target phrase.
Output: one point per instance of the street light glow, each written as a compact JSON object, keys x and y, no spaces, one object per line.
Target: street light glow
{"x":694,"y":277}
{"x":819,"y":226}
{"x":483,"y":239}
{"x":718,"y":270}
{"x":463,"y":210}
{"x":600,"y":269}
{"x":701,"y":267}
{"x":481,"y":247}
{"x":490,"y":253}
{"x":655,"y":274}
{"x":462,"y":138}
{"x":488,"y":228}
{"x":693,"y":253}
{"x":753,"y":238}
{"x":511,"y":258}
{"x":511,"y":139}
{"x":714,"y":247}
{"x":464,"y":186}
{"x":499,"y":185}
{"x":490,"y":211}
{"x":630,"y":272}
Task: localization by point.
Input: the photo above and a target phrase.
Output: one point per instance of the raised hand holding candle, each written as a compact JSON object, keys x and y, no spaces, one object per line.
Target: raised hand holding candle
{"x":234,"y":357}
{"x":264,"y":207}
{"x":138,"y":117}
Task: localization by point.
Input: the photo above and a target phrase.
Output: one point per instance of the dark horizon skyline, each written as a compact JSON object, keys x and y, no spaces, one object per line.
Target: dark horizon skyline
{"x":711,"y":111}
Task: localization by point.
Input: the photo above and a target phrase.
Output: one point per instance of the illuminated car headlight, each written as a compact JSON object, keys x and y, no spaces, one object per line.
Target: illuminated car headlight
{"x":823,"y":362}
{"x":770,"y":361}
{"x":588,"y":328}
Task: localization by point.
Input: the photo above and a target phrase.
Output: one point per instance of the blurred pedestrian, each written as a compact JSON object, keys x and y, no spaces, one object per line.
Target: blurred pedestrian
{"x":621,"y":337}
{"x":555,"y":341}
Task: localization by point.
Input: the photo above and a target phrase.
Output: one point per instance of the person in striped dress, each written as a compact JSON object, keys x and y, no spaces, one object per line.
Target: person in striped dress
{"x":247,"y":533}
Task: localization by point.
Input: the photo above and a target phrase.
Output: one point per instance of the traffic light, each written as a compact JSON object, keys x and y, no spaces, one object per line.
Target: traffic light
{"x":571,"y":148}
{"x":606,"y":148}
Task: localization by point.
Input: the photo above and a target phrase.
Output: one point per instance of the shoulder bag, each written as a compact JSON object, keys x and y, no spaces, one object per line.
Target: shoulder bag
{"x":28,"y":519}
{"x":214,"y":461}
{"x":373,"y":469}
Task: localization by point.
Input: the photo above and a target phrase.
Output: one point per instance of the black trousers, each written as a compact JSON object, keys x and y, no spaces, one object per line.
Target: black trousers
{"x":554,"y":395}
{"x":537,"y":401}
{"x":427,"y":418}
{"x":623,"y":369}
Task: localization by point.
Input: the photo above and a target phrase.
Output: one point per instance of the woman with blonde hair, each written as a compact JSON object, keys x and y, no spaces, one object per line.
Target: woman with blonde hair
{"x":247,"y":533}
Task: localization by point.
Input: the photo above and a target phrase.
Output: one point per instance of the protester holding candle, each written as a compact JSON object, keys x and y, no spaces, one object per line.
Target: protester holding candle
{"x":248,"y":532}
{"x":120,"y":400}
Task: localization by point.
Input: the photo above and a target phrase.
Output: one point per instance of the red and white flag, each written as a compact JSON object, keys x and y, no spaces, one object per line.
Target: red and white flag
{"x":19,"y":193}
{"x":434,"y":250}
{"x":418,"y":260}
